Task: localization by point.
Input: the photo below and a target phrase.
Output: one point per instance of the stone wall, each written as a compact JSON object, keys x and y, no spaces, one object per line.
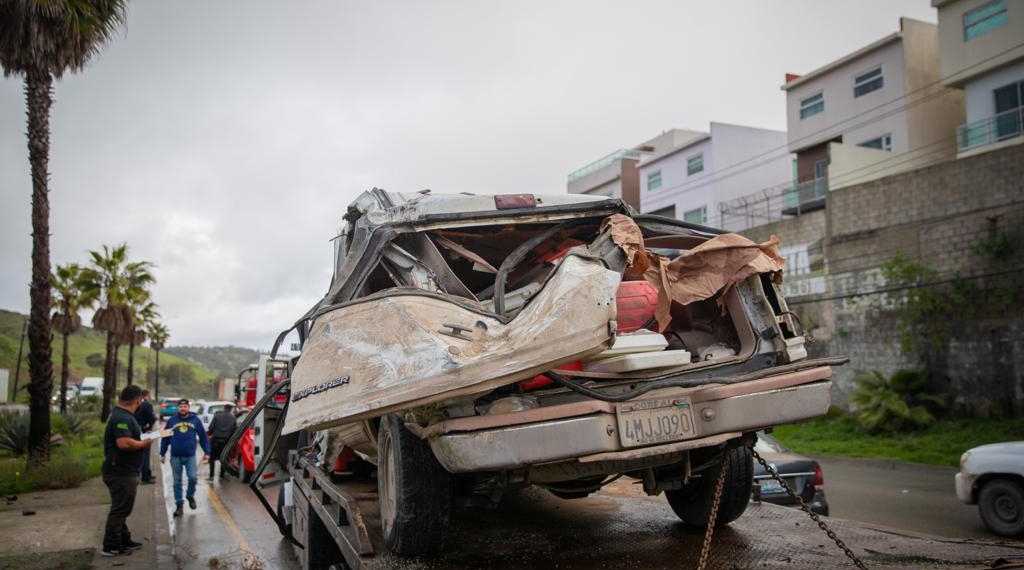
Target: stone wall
{"x":963,"y":219}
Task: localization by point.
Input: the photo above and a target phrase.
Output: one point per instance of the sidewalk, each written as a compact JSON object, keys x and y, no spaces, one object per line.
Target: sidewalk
{"x":67,"y":529}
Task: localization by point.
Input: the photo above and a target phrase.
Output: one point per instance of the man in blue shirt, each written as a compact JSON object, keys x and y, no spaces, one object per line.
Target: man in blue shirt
{"x":186,"y":428}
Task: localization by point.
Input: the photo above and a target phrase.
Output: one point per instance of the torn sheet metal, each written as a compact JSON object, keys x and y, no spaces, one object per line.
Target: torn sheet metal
{"x":399,"y":351}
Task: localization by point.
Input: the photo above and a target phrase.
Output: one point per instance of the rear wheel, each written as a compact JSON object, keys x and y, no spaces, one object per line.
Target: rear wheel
{"x":693,"y":502}
{"x":1001,"y":504}
{"x":415,"y":490}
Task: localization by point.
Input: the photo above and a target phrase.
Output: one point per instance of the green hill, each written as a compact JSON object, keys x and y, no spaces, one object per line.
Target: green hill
{"x":178,"y":376}
{"x":225,"y":360}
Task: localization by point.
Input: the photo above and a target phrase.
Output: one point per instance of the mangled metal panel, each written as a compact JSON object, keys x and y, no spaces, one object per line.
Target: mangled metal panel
{"x":408,"y":349}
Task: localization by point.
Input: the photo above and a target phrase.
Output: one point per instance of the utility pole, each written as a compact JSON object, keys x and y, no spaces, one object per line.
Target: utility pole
{"x":17,"y":370}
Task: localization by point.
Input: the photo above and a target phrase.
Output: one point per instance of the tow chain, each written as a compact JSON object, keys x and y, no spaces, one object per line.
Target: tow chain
{"x":706,"y":548}
{"x":709,"y":532}
{"x":807,"y":509}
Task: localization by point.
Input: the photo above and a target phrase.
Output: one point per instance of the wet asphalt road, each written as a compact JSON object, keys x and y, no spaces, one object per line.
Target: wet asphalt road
{"x":541,"y":532}
{"x":229,"y":522}
{"x":909,"y":497}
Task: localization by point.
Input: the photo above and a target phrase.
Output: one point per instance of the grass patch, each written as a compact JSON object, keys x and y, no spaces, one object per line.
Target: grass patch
{"x":78,"y":458}
{"x":939,"y":444}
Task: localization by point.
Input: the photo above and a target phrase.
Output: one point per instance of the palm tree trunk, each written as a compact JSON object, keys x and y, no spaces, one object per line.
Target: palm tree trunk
{"x":39,"y":99}
{"x":65,"y":369}
{"x":109,"y":378}
{"x":156,"y":379}
{"x":131,"y":359}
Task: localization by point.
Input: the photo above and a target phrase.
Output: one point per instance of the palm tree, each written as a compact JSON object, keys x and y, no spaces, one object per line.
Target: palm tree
{"x":69,"y":296}
{"x":158,"y":335}
{"x":40,"y":40}
{"x":143,"y":311}
{"x":114,"y":280}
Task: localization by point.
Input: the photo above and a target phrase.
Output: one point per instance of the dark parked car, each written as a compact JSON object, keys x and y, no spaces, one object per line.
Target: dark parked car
{"x":803,"y":474}
{"x":169,"y":407}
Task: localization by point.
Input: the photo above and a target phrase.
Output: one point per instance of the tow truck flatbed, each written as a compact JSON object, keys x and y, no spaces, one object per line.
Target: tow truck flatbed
{"x":618,"y":528}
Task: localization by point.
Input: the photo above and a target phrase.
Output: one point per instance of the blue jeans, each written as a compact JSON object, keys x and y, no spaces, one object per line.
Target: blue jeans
{"x":189,"y":463}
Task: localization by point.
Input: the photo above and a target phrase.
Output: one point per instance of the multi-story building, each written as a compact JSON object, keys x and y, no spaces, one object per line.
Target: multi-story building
{"x":981,"y":51}
{"x":875,"y":112}
{"x":690,"y":180}
{"x":615,"y":175}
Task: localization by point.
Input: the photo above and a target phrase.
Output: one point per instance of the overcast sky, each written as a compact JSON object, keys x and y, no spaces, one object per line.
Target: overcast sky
{"x":223,"y":140}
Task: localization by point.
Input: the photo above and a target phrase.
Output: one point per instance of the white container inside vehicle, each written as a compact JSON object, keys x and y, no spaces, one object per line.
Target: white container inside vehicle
{"x":641,"y":361}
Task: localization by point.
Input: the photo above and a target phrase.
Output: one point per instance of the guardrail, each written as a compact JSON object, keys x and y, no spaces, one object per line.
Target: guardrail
{"x":603,"y":162}
{"x":1005,"y":125}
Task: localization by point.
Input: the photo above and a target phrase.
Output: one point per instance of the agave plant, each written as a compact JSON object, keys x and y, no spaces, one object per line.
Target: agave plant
{"x":14,"y":428}
{"x":895,"y":403}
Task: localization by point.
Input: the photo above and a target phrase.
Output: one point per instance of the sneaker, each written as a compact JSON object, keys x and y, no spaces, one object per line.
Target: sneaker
{"x":192,"y":503}
{"x":149,"y":481}
{"x":178,"y":510}
{"x":131,"y":545}
{"x":115,"y":552}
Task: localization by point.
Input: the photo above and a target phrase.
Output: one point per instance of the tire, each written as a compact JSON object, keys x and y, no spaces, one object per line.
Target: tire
{"x":692,"y":503}
{"x":415,"y":491}
{"x":284,"y":527}
{"x":1001,"y":505}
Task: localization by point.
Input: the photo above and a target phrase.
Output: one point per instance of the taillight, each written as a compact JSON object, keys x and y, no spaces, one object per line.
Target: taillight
{"x":819,"y":479}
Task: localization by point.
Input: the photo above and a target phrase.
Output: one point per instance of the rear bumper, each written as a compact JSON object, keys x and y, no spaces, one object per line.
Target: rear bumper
{"x":588,"y":432}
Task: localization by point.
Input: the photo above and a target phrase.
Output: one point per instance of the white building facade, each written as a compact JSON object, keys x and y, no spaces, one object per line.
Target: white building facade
{"x":981,"y":50}
{"x":875,"y":112}
{"x":690,"y":181}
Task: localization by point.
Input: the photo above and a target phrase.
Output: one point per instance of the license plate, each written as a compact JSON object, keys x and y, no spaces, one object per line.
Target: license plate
{"x":655,"y":421}
{"x":770,"y":486}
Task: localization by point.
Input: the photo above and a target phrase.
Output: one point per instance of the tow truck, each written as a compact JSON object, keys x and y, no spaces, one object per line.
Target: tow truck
{"x":492,"y":353}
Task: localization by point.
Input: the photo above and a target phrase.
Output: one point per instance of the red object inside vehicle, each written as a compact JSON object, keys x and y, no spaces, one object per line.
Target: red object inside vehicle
{"x":634,"y":305}
{"x":540,"y":380}
{"x":635,"y":302}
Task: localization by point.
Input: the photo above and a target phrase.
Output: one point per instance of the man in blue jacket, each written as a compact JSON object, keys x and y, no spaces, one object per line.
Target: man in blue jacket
{"x":186,"y":428}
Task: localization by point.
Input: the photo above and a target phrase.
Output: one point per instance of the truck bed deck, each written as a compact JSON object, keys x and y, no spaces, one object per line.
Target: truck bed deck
{"x":621,"y":528}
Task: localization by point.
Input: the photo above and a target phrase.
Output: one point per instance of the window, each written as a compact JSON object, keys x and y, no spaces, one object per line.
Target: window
{"x":812,"y":106}
{"x":695,"y":164}
{"x":698,"y":216}
{"x":883,"y":142}
{"x":654,"y":180}
{"x":1009,"y":115}
{"x":668,"y":212}
{"x":868,"y":82}
{"x":984,"y":19}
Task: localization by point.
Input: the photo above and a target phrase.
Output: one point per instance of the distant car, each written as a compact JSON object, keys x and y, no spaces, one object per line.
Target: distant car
{"x":91,"y":386}
{"x":992,"y":476}
{"x":169,"y":406}
{"x":803,"y":474}
{"x":211,"y":408}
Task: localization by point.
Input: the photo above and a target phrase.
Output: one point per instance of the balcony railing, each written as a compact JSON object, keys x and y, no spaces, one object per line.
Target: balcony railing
{"x":804,"y":196}
{"x":603,"y":162}
{"x":1005,"y":125}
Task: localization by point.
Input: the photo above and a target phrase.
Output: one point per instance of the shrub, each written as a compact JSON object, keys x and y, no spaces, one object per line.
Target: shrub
{"x":895,"y":403}
{"x":14,"y":432}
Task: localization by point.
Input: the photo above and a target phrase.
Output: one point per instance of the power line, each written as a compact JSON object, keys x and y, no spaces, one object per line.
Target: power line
{"x":803,"y":301}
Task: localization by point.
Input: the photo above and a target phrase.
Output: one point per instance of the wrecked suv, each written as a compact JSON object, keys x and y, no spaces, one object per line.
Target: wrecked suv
{"x":472,"y":344}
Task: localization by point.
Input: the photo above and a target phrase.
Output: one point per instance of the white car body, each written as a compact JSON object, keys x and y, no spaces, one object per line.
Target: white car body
{"x":91,"y":386}
{"x":211,"y":408}
{"x":989,"y":466}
